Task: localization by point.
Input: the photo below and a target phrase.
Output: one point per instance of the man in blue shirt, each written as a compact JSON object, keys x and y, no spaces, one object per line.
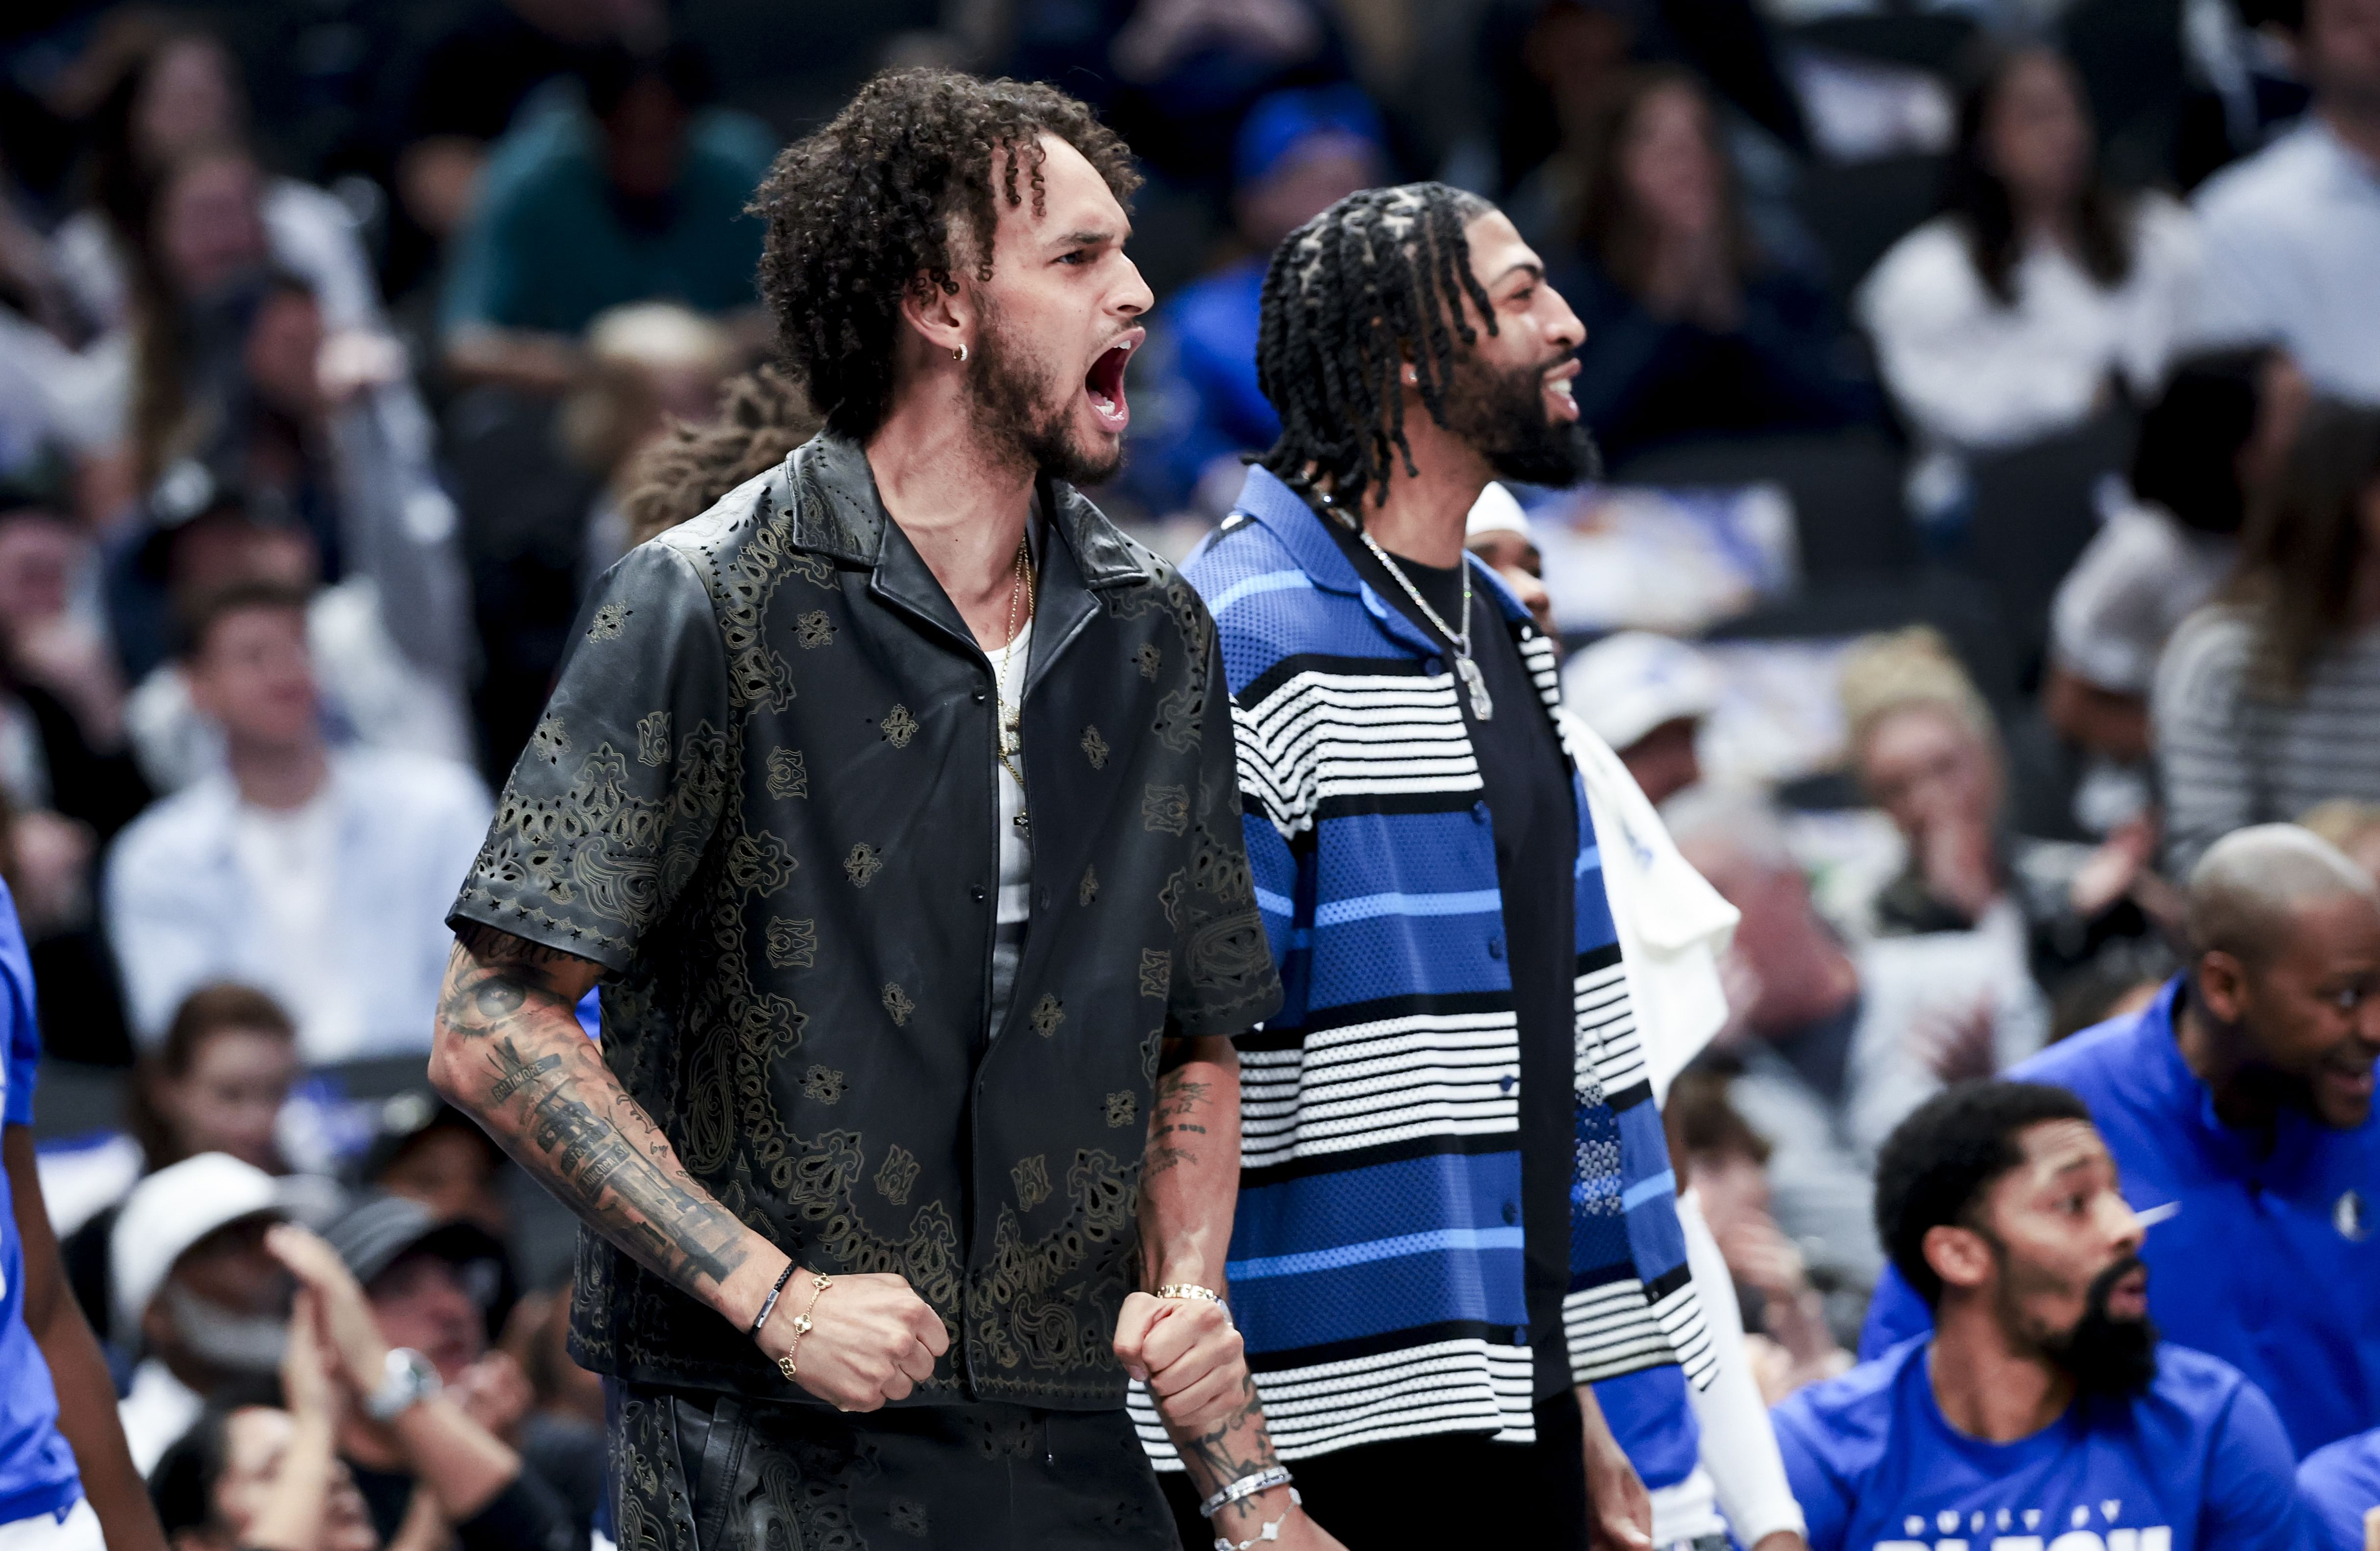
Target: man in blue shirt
{"x":2339,"y":1485}
{"x":46,"y":1428}
{"x":2240,"y":1106}
{"x":2042,"y":1410}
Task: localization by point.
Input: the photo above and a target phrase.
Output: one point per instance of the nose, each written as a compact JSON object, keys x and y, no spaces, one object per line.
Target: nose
{"x":2123,"y":1226}
{"x":1134,"y":297}
{"x":1565,"y":332}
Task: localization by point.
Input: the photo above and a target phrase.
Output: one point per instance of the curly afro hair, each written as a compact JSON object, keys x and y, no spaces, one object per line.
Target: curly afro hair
{"x":762,"y":416}
{"x":864,"y":208}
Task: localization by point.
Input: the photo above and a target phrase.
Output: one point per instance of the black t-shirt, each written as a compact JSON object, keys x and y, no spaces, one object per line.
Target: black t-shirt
{"x":1527,"y":783}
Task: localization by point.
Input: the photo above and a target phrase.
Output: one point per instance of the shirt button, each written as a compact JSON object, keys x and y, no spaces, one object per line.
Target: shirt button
{"x":1511,"y":1212}
{"x":1495,"y":947}
{"x":1479,"y":812}
{"x":978,"y":697}
{"x":1433,"y":666}
{"x":977,"y":894}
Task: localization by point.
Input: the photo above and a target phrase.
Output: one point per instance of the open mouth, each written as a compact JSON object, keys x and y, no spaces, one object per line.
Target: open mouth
{"x":1103,"y":383}
{"x":1560,"y":402}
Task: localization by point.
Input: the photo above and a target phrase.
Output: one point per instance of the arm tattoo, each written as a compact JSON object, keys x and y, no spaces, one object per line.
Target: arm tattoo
{"x":544,"y":1092}
{"x":1169,"y":1126}
{"x":1236,"y":1445}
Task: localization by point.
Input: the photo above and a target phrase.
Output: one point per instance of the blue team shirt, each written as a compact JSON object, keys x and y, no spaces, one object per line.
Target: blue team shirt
{"x":2197,"y":1463}
{"x":37,"y":1469}
{"x":2240,"y":1268}
{"x":2340,"y":1483}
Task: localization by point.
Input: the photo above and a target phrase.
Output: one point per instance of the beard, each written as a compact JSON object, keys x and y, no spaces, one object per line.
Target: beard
{"x":1024,"y":412}
{"x":2102,"y":1354}
{"x":1502,"y":414}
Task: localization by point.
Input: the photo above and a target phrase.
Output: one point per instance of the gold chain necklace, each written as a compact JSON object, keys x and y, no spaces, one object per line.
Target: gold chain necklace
{"x":1009,"y":732}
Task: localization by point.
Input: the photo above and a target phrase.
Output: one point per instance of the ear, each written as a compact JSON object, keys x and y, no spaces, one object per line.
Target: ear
{"x":1958,"y":1256}
{"x":2222,"y":984}
{"x":944,"y":320}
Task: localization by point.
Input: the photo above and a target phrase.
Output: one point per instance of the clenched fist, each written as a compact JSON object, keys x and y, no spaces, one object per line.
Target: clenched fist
{"x":1188,"y":1353}
{"x":871,"y":1339}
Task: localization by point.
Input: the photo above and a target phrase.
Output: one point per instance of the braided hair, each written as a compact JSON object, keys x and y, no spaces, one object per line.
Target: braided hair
{"x":1373,"y":282}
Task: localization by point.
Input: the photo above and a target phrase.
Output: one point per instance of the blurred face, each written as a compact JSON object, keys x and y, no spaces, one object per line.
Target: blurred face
{"x":421,"y":1302}
{"x":2060,"y":1259}
{"x":2312,"y":1010}
{"x":1664,"y":761}
{"x":1509,"y":395}
{"x":644,"y":140}
{"x":229,"y":1099}
{"x":38,"y":556}
{"x":208,"y":233}
{"x":449,"y":1172}
{"x":1058,"y":323}
{"x":255,"y":678}
{"x":226,"y":1303}
{"x":256,"y":1444}
{"x":2035,"y":135}
{"x":283,"y":352}
{"x":1513,"y":557}
{"x":1323,"y":170}
{"x":2342,"y":52}
{"x":1731,"y":1187}
{"x":1669,"y":164}
{"x":2282,"y":395}
{"x":187,"y":98}
{"x":1924,"y":766}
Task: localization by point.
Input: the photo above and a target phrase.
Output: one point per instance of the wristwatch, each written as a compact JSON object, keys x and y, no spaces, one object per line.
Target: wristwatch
{"x":410,"y":1379}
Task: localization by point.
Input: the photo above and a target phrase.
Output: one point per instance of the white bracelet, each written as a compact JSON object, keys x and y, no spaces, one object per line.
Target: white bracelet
{"x":1271,"y":1530}
{"x":1245,"y":1487}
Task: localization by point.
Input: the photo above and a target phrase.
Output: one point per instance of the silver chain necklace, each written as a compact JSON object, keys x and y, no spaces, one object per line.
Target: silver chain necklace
{"x":1483,"y":706}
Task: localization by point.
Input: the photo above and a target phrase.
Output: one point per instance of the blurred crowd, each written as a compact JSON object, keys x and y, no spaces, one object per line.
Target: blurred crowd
{"x":343,"y":344}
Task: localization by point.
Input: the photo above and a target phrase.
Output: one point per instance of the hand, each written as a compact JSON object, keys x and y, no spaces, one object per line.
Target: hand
{"x":494,"y":1392}
{"x":1188,"y":1353}
{"x":1960,"y":865}
{"x":358,"y":1353}
{"x":1760,"y":1256}
{"x":1618,"y":1509}
{"x":1780,"y":1540}
{"x":306,"y":1382}
{"x":873,"y":1339}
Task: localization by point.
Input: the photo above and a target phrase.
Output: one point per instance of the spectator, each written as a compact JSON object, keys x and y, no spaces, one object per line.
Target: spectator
{"x":1499,"y":532}
{"x":638,"y":198}
{"x":1928,"y":752}
{"x":1724,"y":1161}
{"x":1647,"y":696}
{"x":649,"y":363}
{"x":317,"y":875}
{"x":2261,"y":706}
{"x":2352,"y":826}
{"x":216,"y":1084}
{"x":2239,"y":1107}
{"x":433,"y":1461}
{"x":1298,"y":152}
{"x":2040,"y":295}
{"x":195,"y":1294}
{"x":430,"y":1153}
{"x":763,"y":416}
{"x":2339,"y":1485}
{"x":1837,"y":1046}
{"x":1690,"y":332}
{"x":2220,"y":431}
{"x":255,"y":1477}
{"x":2293,"y":233}
{"x":2044,"y":1390}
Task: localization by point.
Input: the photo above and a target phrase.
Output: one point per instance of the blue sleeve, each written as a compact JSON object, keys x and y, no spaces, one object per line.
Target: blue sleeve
{"x":2251,"y":1501}
{"x":1894,"y":1314}
{"x":2337,"y":1485}
{"x":1819,"y":1487}
{"x":17,"y":1005}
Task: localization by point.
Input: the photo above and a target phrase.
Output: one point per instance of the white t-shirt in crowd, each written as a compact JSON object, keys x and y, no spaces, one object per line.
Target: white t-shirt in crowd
{"x":289,"y":860}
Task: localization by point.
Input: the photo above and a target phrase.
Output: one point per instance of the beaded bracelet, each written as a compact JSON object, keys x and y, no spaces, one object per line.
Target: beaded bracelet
{"x":1245,"y":1487}
{"x":761,"y":1320}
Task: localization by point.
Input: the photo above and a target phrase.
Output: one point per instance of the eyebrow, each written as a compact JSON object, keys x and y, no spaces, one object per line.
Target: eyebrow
{"x":1086,"y":238}
{"x":1534,"y":271}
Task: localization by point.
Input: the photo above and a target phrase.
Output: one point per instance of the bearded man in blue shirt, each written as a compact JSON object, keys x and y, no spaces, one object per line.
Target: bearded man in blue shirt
{"x":2042,"y":1410}
{"x":2238,"y":1105}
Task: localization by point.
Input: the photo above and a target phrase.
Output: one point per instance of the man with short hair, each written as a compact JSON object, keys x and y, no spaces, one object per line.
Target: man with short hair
{"x":1456,"y":1220}
{"x":893,"y":802}
{"x":2292,"y":234}
{"x":318,"y":874}
{"x":2043,"y":1410}
{"x":2238,"y":1105}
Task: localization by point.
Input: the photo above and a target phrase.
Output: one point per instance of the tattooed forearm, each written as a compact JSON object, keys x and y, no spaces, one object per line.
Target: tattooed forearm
{"x":1235,"y":1445}
{"x":1171,"y":1124}
{"x":509,"y":1050}
{"x":1190,"y":1173}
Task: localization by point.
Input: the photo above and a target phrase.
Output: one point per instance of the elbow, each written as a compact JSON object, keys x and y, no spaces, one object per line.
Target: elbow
{"x":446,"y":1073}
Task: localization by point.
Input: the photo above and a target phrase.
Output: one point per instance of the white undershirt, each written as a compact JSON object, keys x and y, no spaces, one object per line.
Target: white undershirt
{"x":289,"y":858}
{"x":1016,"y":851}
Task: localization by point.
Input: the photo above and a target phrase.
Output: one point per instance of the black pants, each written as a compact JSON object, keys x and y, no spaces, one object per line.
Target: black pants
{"x":701,"y":1472}
{"x":1452,"y":1490}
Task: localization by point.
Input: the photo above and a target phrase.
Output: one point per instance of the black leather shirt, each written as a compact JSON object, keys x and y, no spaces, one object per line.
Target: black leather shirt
{"x":762,"y":799}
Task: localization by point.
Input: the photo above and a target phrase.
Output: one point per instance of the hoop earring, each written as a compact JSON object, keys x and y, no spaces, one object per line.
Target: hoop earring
{"x":959,"y":355}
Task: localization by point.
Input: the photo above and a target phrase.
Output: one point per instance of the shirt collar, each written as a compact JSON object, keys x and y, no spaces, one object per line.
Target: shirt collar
{"x":2191,"y":1102}
{"x":1266,"y":500}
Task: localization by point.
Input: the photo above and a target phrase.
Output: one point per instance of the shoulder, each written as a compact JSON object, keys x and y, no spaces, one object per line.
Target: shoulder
{"x":735,"y":143}
{"x":415,"y":781}
{"x":1266,"y":607}
{"x":2347,"y":1471}
{"x":2272,"y":182}
{"x":2211,"y":1400}
{"x":2083,"y":1061}
{"x":1843,"y":1425}
{"x":1929,"y":264}
{"x":2208,"y":654}
{"x":177,"y":828}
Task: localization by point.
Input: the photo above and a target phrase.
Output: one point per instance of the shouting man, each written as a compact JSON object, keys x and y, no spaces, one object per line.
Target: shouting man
{"x":1456,"y":1215}
{"x":892,"y":802}
{"x":2042,"y":1410}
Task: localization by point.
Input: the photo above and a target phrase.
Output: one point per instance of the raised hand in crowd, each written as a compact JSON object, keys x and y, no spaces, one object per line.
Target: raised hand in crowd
{"x":295,"y":1515}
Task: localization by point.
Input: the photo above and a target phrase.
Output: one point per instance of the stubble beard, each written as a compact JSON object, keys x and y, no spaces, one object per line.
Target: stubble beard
{"x":1010,"y":391}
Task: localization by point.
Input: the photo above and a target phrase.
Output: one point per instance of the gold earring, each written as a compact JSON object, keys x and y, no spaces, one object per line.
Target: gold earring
{"x":959,"y":355}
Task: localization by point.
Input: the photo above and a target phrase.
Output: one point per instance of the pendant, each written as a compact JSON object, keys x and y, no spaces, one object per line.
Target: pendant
{"x":1473,"y":680}
{"x":1024,"y":823}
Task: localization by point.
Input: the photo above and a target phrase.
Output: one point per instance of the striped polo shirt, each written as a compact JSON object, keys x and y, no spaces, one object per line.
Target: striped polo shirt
{"x":1376,"y":1264}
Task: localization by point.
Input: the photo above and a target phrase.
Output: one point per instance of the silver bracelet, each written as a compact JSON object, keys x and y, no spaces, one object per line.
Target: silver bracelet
{"x":1269,"y":1531}
{"x":1245,"y":1487}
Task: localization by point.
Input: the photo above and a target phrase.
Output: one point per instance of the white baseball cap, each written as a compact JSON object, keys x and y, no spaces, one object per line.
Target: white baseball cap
{"x":171,"y":1210}
{"x":1497,"y":511}
{"x":1632,"y":681}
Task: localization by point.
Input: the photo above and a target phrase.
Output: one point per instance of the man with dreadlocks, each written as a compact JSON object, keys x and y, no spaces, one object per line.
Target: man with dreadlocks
{"x":1456,"y":1218}
{"x":889,"y":804}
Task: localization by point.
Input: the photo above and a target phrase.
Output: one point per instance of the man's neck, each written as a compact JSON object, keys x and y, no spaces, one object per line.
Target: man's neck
{"x":278,"y":776}
{"x":1986,"y":1387}
{"x":2219,"y":1056}
{"x":963,"y":507}
{"x":1424,"y":516}
{"x":2354,"y":124}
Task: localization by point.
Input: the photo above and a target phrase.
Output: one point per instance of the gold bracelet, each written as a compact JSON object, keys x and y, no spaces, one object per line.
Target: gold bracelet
{"x":1192,"y":1290}
{"x":819,"y":1282}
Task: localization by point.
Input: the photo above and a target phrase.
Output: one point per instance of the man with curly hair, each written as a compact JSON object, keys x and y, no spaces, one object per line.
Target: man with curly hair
{"x":891,"y":803}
